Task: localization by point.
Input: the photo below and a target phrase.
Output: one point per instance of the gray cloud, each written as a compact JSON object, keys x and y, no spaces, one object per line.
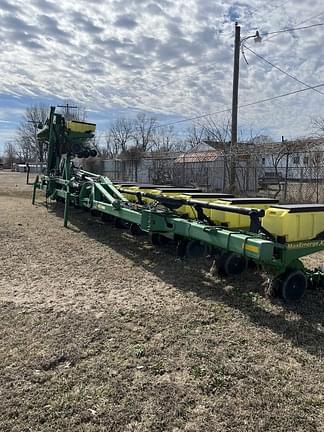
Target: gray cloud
{"x":118,"y":53}
{"x":10,"y":22}
{"x":50,"y":27}
{"x":8,"y":7}
{"x":47,"y":6}
{"x":174,"y":29}
{"x":126,"y":21}
{"x":155,"y":9}
{"x":84,"y":23}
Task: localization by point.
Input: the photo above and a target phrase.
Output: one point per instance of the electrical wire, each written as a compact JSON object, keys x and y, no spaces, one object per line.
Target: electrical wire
{"x":240,"y":106}
{"x":170,"y":82}
{"x":289,"y":30}
{"x":282,"y":71}
{"x":292,"y":29}
{"x":310,"y":18}
{"x":298,"y":24}
{"x":261,"y":34}
{"x":266,"y":16}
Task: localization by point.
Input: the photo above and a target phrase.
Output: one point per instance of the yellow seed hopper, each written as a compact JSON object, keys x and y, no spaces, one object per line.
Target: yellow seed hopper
{"x":295,"y":222}
{"x":80,"y":127}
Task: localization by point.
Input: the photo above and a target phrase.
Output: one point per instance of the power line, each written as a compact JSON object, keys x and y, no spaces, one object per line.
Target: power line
{"x":266,"y":15}
{"x":213,"y":63}
{"x":170,"y":82}
{"x":310,"y":18}
{"x":291,"y":29}
{"x":300,"y":23}
{"x":282,"y":71}
{"x":240,"y":106}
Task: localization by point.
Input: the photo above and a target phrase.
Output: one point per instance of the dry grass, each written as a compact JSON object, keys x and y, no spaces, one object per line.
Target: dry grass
{"x":101,"y":332}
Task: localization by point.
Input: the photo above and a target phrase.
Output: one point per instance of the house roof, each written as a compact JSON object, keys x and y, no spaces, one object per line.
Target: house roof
{"x":200,"y":156}
{"x":294,"y":146}
{"x":206,"y":153}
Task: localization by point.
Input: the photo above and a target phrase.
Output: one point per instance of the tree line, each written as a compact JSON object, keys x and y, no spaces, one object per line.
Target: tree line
{"x":128,"y":138}
{"x":125,"y":137}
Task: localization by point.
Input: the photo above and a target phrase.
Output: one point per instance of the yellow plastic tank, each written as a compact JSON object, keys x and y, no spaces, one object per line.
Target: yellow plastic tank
{"x":155,"y":190}
{"x":295,"y":222}
{"x":80,"y":127}
{"x":189,"y":211}
{"x":235,"y":220}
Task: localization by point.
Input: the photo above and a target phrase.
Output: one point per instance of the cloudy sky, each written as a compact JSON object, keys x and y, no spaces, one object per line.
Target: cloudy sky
{"x":171,"y":58}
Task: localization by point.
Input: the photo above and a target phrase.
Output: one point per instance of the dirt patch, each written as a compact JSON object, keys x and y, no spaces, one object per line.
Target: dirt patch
{"x":102,"y":332}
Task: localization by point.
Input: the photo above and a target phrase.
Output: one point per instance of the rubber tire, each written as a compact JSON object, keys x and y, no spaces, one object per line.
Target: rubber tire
{"x":231,"y":264}
{"x":195,"y":249}
{"x":158,"y":239}
{"x":294,"y":285}
{"x":95,"y":213}
{"x":181,"y":248}
{"x":106,"y":217}
{"x":121,"y":224}
{"x":135,"y":229}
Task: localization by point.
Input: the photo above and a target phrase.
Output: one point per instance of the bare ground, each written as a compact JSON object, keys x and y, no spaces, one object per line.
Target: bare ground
{"x":101,"y":332}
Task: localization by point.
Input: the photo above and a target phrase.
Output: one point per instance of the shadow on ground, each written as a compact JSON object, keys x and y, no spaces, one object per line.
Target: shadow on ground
{"x":246,"y":293}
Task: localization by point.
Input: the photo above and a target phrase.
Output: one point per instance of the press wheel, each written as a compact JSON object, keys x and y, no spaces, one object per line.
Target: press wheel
{"x":293,"y":285}
{"x":231,"y":264}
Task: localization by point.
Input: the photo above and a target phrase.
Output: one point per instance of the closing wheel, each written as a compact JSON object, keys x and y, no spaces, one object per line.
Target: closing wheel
{"x":95,"y":213}
{"x":231,"y":264}
{"x":106,"y":217}
{"x":120,"y":223}
{"x":181,"y":248}
{"x":195,"y":249}
{"x":158,"y":239}
{"x":293,"y":286}
{"x":135,"y":229}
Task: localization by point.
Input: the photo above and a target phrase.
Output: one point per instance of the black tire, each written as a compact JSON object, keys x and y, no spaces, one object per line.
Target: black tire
{"x":76,"y":148}
{"x":85,"y":153}
{"x":294,"y":285}
{"x":95,"y":213}
{"x":135,"y":229}
{"x":106,"y":217}
{"x":120,"y":223}
{"x":195,"y":249}
{"x":158,"y":239}
{"x":231,"y":264}
{"x":181,"y":250}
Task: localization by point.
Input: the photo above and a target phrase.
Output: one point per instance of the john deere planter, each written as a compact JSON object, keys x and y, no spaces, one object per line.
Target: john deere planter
{"x":235,"y":230}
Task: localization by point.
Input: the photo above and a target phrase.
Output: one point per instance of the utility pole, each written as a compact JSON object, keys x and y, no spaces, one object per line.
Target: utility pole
{"x":286,"y":170}
{"x":238,"y":43}
{"x":236,"y":70}
{"x":67,"y":107}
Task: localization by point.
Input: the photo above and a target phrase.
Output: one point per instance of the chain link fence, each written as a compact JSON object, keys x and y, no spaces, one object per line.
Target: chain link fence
{"x":297,"y":177}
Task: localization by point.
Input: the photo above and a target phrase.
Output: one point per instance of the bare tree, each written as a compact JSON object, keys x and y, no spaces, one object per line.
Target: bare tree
{"x":111,"y":150}
{"x":119,"y":136}
{"x":217,"y":134}
{"x":28,"y":146}
{"x":10,"y":154}
{"x":194,"y":135}
{"x":165,"y":139}
{"x":318,"y":126}
{"x":145,"y":132}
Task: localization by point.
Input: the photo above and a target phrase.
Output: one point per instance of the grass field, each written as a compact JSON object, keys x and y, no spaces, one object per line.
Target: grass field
{"x":102,"y":332}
